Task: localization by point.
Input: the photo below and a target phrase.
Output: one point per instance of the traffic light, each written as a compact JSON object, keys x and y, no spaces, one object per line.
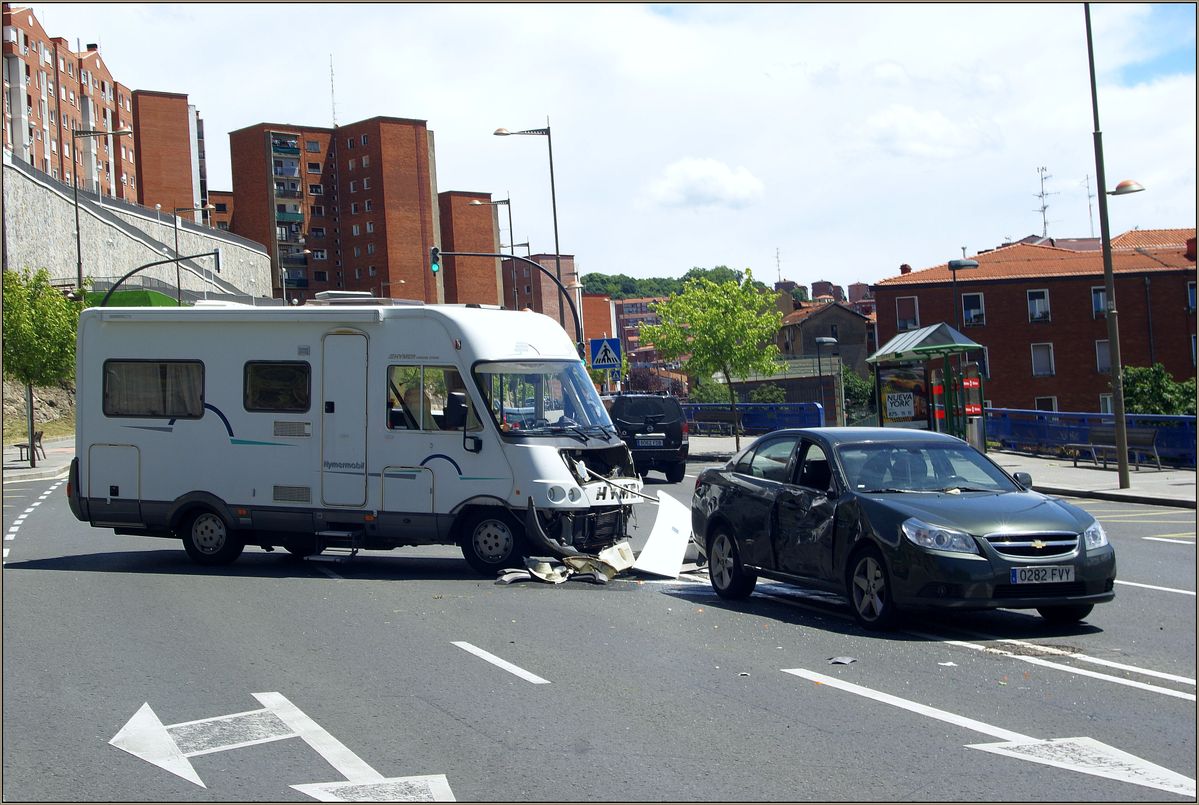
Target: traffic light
{"x":435,"y":259}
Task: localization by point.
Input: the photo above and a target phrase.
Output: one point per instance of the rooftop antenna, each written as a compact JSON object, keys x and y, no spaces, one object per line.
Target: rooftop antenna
{"x":778,"y":263}
{"x":1044,"y":172}
{"x":1090,"y":209}
{"x":332,"y":98}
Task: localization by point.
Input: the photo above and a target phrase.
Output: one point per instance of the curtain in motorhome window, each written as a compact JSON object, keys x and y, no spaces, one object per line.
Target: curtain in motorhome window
{"x":282,"y":386}
{"x":173,"y":389}
{"x":428,"y":398}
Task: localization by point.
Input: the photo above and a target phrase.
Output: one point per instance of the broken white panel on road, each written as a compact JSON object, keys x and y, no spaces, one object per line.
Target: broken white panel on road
{"x":663,"y":551}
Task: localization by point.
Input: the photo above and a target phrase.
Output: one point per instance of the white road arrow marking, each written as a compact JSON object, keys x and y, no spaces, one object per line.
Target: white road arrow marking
{"x":169,"y":748}
{"x":1084,"y":755}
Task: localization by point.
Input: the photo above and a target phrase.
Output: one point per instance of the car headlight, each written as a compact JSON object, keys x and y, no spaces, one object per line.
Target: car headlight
{"x":1094,"y":536}
{"x":555,"y":493}
{"x":937,"y":537}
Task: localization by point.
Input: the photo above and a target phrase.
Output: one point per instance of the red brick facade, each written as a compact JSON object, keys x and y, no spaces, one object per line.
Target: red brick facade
{"x":165,"y":171}
{"x":1154,"y":289}
{"x":470,"y":228}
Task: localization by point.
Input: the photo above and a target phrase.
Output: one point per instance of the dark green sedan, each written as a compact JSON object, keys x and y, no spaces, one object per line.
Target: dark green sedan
{"x":897,"y":519}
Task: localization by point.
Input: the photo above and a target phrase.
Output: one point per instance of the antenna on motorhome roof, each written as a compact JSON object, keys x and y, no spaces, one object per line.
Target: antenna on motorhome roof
{"x":332,"y":98}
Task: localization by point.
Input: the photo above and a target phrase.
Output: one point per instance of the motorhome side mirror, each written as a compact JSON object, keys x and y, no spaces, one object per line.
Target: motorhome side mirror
{"x":471,"y":444}
{"x":1024,"y":479}
{"x":455,"y":410}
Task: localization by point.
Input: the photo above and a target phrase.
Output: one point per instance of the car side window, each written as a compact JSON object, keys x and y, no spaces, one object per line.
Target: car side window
{"x":815,"y":472}
{"x":771,"y":459}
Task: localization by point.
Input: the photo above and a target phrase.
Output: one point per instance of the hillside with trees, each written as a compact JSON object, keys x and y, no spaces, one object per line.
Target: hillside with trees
{"x":622,"y":286}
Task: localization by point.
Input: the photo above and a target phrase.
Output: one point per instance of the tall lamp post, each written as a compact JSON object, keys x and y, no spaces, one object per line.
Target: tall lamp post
{"x":553,"y":200}
{"x":507,"y":202}
{"x":175,"y":221}
{"x":75,"y":135}
{"x":954,"y":267}
{"x":1109,"y":281}
{"x":822,"y":341}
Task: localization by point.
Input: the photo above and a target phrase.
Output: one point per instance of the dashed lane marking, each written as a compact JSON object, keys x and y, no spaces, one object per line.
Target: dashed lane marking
{"x":19,"y":521}
{"x":1174,"y":541}
{"x":501,"y":663}
{"x":1155,"y":587}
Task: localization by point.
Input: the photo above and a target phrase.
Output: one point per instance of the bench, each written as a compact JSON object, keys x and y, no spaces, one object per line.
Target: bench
{"x":716,"y":422}
{"x":1142,"y":442}
{"x":23,"y":447}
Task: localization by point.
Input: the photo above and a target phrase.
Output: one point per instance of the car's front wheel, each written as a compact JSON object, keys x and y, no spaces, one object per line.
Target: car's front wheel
{"x":1065,"y":614}
{"x":729,"y":578}
{"x":870,"y":590}
{"x":675,"y":472}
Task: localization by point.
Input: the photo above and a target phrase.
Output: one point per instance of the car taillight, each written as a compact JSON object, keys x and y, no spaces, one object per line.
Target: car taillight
{"x":686,"y":428}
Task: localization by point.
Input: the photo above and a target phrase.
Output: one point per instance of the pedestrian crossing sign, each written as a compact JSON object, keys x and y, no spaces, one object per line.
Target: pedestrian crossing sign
{"x":605,"y":353}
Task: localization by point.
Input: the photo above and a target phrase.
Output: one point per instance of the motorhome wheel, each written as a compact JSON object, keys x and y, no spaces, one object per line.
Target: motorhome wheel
{"x":492,"y":540}
{"x":208,"y":541}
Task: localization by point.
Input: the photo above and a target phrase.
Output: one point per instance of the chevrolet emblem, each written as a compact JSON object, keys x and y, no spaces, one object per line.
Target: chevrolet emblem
{"x":1036,"y":543}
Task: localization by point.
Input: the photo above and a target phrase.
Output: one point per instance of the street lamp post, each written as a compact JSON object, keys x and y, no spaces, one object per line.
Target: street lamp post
{"x":507,"y":202}
{"x":1109,"y":281}
{"x":75,"y":135}
{"x":954,"y":267}
{"x":175,"y":221}
{"x":822,"y":341}
{"x":553,"y":200}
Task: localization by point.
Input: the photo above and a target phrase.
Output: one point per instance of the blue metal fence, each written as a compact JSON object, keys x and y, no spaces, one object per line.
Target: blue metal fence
{"x":1049,"y":432}
{"x":761,"y":417}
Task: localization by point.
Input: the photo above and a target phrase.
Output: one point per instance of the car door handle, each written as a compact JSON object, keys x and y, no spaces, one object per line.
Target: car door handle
{"x":329,"y":406}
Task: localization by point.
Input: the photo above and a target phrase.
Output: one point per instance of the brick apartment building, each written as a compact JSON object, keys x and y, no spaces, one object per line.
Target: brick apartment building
{"x":353,"y":207}
{"x":51,"y":91}
{"x":1038,"y":312}
{"x":533,"y":289}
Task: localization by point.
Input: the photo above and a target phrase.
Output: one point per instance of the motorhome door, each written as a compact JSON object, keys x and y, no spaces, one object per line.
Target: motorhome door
{"x":343,"y":422}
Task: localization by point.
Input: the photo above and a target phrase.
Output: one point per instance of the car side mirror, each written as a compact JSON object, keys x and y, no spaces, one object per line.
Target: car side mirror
{"x":470,"y":443}
{"x":1024,"y":479}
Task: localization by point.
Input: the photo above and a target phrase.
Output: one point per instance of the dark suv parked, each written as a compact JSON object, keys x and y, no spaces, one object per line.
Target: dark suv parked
{"x":654,"y":428}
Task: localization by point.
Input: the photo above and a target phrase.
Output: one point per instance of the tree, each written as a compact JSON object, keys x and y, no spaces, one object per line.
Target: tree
{"x":724,"y":328}
{"x":800,"y":293}
{"x":859,"y":392}
{"x":39,"y":335}
{"x":1151,"y":390}
{"x":768,"y":393}
{"x":707,"y":393}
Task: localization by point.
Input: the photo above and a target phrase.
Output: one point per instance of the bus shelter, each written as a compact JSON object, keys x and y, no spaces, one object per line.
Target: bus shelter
{"x":923,"y":380}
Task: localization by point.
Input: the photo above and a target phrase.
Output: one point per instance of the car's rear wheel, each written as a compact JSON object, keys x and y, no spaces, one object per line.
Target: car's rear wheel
{"x":1065,"y":614}
{"x":729,"y":578}
{"x":676,"y":472}
{"x":870,"y":590}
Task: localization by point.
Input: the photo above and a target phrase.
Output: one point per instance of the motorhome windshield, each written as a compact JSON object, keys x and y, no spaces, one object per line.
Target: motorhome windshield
{"x":538,"y":398}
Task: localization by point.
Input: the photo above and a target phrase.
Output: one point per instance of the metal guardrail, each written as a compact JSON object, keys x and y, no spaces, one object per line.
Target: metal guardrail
{"x":757,"y":418}
{"x":1049,"y":432}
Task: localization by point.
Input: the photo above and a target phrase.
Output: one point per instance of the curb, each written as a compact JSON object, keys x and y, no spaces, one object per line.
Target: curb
{"x":51,"y":474}
{"x":1118,"y":497}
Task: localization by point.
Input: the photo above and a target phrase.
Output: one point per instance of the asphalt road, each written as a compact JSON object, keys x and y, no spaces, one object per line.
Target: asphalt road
{"x":639,"y":690}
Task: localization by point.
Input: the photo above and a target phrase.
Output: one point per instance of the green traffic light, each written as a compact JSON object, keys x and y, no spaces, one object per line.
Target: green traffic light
{"x":435,"y":259}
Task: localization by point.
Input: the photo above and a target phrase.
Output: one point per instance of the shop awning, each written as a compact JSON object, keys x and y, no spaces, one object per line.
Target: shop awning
{"x":934,"y":341}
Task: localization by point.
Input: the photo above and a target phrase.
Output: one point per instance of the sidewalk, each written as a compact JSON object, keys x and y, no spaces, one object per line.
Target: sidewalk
{"x":1166,"y":487}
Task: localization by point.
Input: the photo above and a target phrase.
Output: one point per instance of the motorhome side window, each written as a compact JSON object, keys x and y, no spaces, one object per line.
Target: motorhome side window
{"x":279,"y":386}
{"x":428,"y":398}
{"x":139,"y":388}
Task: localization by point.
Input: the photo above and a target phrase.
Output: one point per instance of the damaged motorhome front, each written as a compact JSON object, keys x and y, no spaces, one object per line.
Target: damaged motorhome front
{"x":344,"y":427}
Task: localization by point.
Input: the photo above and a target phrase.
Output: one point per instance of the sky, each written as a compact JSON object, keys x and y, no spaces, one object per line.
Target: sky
{"x":801,"y":141}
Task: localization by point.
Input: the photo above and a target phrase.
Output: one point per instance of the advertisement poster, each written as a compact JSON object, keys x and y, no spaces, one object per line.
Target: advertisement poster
{"x":904,"y":397}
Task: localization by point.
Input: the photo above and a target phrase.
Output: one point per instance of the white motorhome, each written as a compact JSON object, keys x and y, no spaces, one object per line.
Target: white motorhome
{"x":343,"y":427}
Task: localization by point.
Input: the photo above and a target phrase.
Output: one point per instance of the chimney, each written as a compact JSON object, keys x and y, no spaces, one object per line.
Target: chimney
{"x":905,"y":269}
{"x":92,"y":46}
{"x":1190,"y":248}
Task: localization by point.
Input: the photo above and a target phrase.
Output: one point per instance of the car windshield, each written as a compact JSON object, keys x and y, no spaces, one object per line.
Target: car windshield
{"x":542,"y":398}
{"x":920,"y":467}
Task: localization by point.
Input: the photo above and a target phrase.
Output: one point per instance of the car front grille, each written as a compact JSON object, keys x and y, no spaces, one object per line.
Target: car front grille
{"x":598,"y":529}
{"x":1025,"y":546}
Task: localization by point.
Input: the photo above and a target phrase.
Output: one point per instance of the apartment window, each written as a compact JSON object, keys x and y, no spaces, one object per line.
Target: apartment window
{"x":1042,"y":360}
{"x":357,"y":251}
{"x":354,"y":186}
{"x":371,"y":271}
{"x":222,"y":207}
{"x":366,"y":161}
{"x":350,"y":164}
{"x":316,"y":189}
{"x":1045,"y":403}
{"x":1038,"y":305}
{"x":318,"y":209}
{"x":320,"y":276}
{"x":1105,"y":404}
{"x":974,"y":313}
{"x":983,"y":360}
{"x":368,"y":205}
{"x":317,"y":232}
{"x":354,"y":207}
{"x":370,"y":226}
{"x":370,"y":248}
{"x":320,"y":254}
{"x":354,"y":229}
{"x":281,"y":386}
{"x":223,"y":225}
{"x":1191,"y":297}
{"x":364,"y":139}
{"x":366,"y":183}
{"x":1098,"y":302}
{"x":312,"y":146}
{"x":314,"y":167}
{"x":358,"y":273}
{"x":1103,"y":357}
{"x":158,"y":389}
{"x":907,"y":313}
{"x":349,"y":143}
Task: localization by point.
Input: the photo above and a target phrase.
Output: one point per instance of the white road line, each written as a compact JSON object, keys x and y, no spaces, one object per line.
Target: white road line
{"x":1155,"y":587}
{"x":337,"y":754}
{"x":1175,"y":541}
{"x":329,"y":572}
{"x":499,"y":663}
{"x":915,"y":707}
{"x":1040,"y":661}
{"x":1054,"y":650}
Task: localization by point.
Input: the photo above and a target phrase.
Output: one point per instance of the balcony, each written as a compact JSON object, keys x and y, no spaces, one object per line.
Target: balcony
{"x":285,"y":148}
{"x":281,"y":193}
{"x":295,"y":259}
{"x":285,"y":217}
{"x":295,"y":282}
{"x":291,"y":173}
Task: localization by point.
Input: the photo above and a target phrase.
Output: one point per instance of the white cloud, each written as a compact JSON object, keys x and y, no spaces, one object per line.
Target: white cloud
{"x":703,"y":183}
